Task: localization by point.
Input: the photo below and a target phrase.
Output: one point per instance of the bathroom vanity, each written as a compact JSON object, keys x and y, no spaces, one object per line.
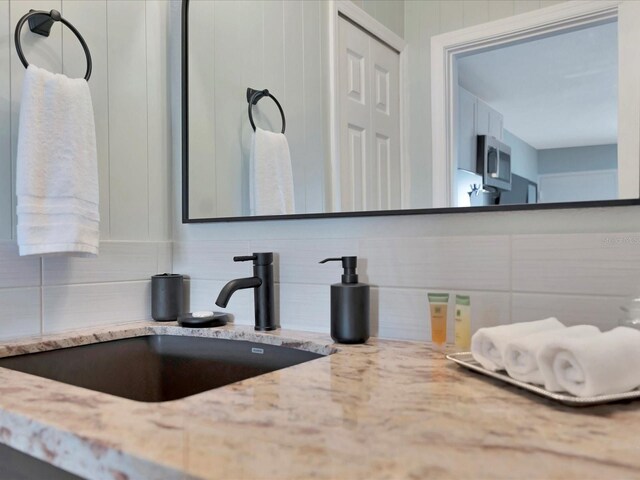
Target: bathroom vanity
{"x":386,"y":409}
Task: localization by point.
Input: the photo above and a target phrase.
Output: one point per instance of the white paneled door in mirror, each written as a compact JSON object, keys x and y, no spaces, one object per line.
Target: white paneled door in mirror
{"x":369,"y":124}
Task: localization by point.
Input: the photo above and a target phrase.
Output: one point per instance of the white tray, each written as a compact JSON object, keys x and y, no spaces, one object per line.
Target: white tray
{"x":466,"y":360}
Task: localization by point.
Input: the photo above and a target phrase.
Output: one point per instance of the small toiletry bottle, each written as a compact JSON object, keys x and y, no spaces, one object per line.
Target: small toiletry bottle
{"x":463,"y":322}
{"x":349,"y":305}
{"x":438,"y":306}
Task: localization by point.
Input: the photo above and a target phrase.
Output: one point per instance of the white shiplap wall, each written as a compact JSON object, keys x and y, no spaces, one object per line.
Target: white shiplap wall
{"x":388,"y":12}
{"x":235,"y":45}
{"x":129,"y":87}
{"x":128,"y":43}
{"x":6,"y":191}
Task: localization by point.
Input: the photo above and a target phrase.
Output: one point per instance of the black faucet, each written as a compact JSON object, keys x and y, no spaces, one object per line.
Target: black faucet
{"x":262,"y":282}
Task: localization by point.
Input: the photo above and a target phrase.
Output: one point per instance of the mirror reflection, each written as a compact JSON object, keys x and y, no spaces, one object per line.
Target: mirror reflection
{"x":537,"y":121}
{"x":533,"y":122}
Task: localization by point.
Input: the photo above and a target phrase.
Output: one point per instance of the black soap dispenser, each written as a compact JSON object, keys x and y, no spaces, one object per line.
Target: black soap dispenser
{"x":349,"y":305}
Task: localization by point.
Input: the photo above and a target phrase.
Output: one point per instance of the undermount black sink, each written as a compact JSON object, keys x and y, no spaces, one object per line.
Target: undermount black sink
{"x":158,"y":368}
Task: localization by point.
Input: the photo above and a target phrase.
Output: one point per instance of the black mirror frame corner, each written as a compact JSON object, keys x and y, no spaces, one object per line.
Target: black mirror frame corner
{"x":378,"y":213}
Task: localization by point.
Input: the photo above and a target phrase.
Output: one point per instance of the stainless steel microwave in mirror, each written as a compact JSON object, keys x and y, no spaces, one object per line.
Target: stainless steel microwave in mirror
{"x":373,"y":129}
{"x":494,"y":163}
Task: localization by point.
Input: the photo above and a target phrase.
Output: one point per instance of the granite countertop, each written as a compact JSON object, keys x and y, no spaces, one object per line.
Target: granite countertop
{"x":387,"y":409}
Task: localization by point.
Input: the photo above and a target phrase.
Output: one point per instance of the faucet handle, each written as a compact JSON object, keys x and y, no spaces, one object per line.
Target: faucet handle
{"x":244,"y":258}
{"x":261,"y":258}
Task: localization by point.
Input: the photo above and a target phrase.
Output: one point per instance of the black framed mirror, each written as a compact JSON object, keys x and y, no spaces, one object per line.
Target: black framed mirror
{"x":315,"y":50}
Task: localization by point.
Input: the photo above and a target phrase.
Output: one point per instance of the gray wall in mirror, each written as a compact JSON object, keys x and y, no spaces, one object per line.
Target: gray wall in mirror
{"x":283,"y":46}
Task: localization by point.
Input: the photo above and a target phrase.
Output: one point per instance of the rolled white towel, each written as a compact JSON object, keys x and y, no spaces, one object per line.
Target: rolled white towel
{"x":487,"y":344}
{"x":520,"y":354}
{"x":593,"y":365}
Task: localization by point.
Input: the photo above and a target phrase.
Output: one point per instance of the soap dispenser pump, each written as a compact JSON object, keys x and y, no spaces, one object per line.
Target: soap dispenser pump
{"x":349,"y":305}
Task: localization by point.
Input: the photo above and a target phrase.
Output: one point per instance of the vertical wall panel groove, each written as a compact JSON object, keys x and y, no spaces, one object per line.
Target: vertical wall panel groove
{"x":108,"y":173}
{"x":6,"y":214}
{"x":146,"y":65}
{"x":159,"y":132}
{"x":313,"y":113}
{"x":451,"y":16}
{"x":500,"y":9}
{"x":230,"y":112}
{"x":475,"y":12}
{"x":294,"y":94}
{"x":273,"y":59}
{"x":522,"y":6}
{"x":128,"y":120}
{"x":421,"y":23}
{"x":90,"y":19}
{"x":252,"y":69}
{"x":203,"y":189}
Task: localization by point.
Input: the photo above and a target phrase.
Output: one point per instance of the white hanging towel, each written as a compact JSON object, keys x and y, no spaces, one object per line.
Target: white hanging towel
{"x":271,"y":177}
{"x":57,"y":167}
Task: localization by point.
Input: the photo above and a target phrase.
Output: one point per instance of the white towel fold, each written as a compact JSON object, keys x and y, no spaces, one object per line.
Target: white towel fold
{"x":57,"y":167}
{"x":488,"y":344}
{"x":521,"y":354}
{"x":593,"y":365}
{"x":271,"y":177}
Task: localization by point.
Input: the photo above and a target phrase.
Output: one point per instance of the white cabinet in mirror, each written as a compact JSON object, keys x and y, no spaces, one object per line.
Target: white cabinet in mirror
{"x":526,"y":110}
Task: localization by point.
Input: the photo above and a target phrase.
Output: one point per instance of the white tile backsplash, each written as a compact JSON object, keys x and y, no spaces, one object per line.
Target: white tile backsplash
{"x":598,"y":264}
{"x":488,"y":309}
{"x":463,"y":262}
{"x":402,"y":313}
{"x":20,"y":309}
{"x":16,"y":271}
{"x":211,"y":260}
{"x":581,"y":278}
{"x":75,"y":291}
{"x":165,"y":257}
{"x":66,"y":307}
{"x":117,"y":261}
{"x":305,"y":307}
{"x":577,"y":277}
{"x":298,"y":258}
{"x":603,"y":312}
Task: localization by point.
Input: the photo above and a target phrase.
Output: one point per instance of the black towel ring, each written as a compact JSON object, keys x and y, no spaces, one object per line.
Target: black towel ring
{"x":253,"y":96}
{"x":40,"y":22}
